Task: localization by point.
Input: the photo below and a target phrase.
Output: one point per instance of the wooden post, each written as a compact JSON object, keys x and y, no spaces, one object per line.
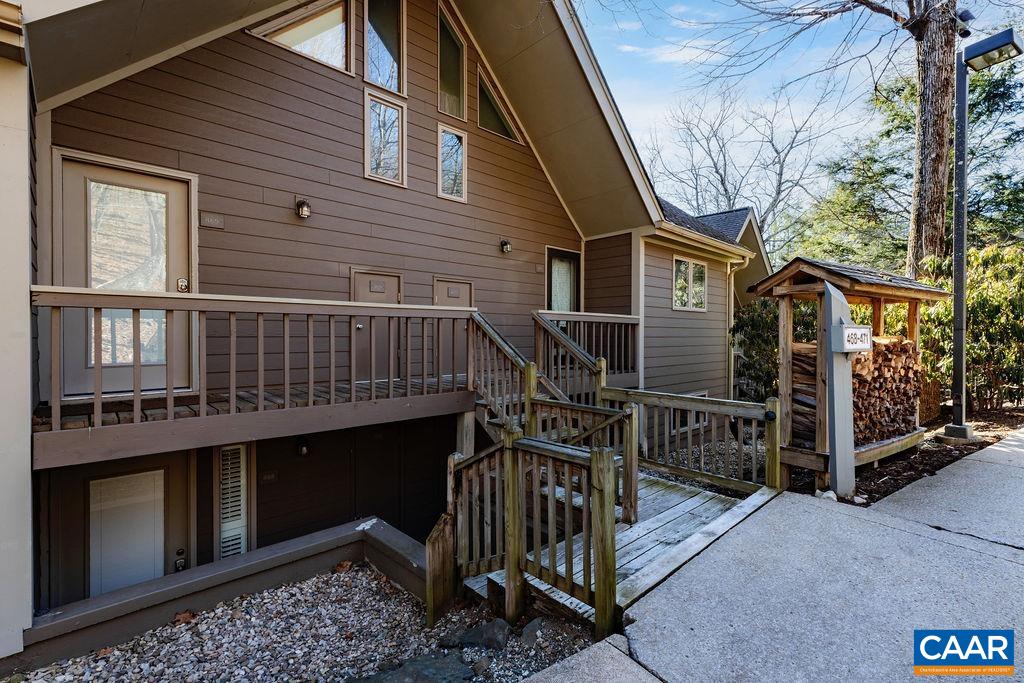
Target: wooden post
{"x":515,"y":532}
{"x":772,"y":451}
{"x":602,"y":520}
{"x":630,"y":463}
{"x":470,"y":357}
{"x":913,"y":321}
{"x":465,"y":433}
{"x":878,"y":317}
{"x":821,"y":405}
{"x":530,"y":413}
{"x":602,"y":380}
{"x":441,"y":574}
{"x":785,"y":375}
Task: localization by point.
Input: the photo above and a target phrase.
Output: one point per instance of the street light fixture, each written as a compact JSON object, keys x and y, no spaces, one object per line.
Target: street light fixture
{"x":979,"y":55}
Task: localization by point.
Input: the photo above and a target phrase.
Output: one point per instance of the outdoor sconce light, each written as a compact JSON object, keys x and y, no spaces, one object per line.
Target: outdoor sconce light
{"x":506,"y":247}
{"x":303,"y":209}
{"x":303,"y":448}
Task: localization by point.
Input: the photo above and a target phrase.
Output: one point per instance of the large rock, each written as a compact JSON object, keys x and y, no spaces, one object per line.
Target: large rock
{"x":427,"y":668}
{"x":532,"y":631}
{"x":493,"y":635}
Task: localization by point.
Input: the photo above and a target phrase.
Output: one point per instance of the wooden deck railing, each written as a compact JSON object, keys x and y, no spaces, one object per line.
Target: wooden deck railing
{"x":500,"y":373}
{"x":574,"y":424}
{"x":576,"y":373}
{"x":229,"y":354}
{"x":602,"y":335}
{"x":529,"y":506}
{"x":729,"y":443}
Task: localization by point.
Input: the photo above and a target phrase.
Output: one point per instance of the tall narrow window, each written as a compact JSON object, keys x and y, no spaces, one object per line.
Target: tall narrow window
{"x":689,"y":285}
{"x":384,"y":43}
{"x":451,"y":69}
{"x":385,"y":139}
{"x":451,"y":163}
{"x":490,"y":115}
{"x":318,"y":31}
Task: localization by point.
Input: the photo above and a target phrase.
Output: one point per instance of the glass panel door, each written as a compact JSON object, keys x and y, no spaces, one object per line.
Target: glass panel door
{"x":563,"y":280}
{"x":123,"y":231}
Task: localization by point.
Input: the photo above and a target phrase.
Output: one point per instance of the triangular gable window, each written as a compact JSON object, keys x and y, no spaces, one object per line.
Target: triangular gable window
{"x":491,"y":115}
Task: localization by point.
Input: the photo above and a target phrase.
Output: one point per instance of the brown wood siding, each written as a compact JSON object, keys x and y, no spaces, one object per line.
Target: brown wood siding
{"x":684,"y":351}
{"x":395,"y":472}
{"x":607,"y":275}
{"x":261,"y":125}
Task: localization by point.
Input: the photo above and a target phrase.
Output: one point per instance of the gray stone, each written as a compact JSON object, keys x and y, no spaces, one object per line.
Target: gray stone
{"x":532,"y":631}
{"x":492,"y":635}
{"x":863,"y":578}
{"x":442,"y":668}
{"x":481,"y":665}
{"x":826,"y":495}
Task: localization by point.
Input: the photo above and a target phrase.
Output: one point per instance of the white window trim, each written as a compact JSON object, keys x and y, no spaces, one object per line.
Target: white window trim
{"x":496,"y":96}
{"x":701,"y":424}
{"x":689,"y":284}
{"x":263,"y":30}
{"x":456,"y":29}
{"x":441,"y":130}
{"x":403,"y":51}
{"x":370,"y":96}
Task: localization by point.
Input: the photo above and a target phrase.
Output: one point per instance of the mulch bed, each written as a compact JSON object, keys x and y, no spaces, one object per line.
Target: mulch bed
{"x":898,"y":471}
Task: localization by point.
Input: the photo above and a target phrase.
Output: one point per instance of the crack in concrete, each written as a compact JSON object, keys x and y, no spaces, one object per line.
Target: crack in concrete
{"x":938,"y":527}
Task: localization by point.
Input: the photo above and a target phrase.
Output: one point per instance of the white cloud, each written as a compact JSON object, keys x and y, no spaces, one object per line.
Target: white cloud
{"x":691,"y":53}
{"x":628,"y":25}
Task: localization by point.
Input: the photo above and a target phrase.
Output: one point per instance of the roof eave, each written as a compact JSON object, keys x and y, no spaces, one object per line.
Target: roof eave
{"x":688,"y":237}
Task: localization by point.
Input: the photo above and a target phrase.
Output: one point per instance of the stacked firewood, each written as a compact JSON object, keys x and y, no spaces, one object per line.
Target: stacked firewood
{"x":886,"y":390}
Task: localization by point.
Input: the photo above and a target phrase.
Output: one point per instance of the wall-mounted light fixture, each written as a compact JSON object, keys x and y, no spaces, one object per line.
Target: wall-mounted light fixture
{"x":303,"y":209}
{"x":506,"y":247}
{"x":303,"y":448}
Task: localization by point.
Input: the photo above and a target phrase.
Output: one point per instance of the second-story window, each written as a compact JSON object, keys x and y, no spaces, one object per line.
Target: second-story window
{"x":451,"y":68}
{"x":385,"y":44}
{"x":451,"y":163}
{"x":385,"y":139}
{"x":319,"y":31}
{"x":689,"y":285}
{"x":490,"y":114}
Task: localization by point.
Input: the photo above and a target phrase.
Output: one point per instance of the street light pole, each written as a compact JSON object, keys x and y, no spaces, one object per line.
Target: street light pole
{"x":980,"y":55}
{"x":958,"y":427}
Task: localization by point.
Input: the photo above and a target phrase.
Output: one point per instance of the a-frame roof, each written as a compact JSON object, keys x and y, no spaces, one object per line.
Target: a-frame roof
{"x":803,"y":275}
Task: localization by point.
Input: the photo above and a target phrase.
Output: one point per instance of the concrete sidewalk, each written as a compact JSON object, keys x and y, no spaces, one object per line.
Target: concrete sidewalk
{"x":811,"y":590}
{"x":981,"y":495}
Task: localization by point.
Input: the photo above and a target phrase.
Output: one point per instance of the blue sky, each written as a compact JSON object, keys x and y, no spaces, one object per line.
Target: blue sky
{"x":648,"y":70}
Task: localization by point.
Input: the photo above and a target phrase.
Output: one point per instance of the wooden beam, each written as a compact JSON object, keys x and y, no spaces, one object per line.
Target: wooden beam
{"x":79,"y":446}
{"x":786,"y":369}
{"x":772,"y":459}
{"x":883,"y":449}
{"x":821,"y":416}
{"x":878,"y":317}
{"x":602,"y":520}
{"x":515,"y":531}
{"x":913,"y":320}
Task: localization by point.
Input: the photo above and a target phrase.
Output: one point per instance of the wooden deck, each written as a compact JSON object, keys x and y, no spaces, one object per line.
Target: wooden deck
{"x":119,"y":409}
{"x":675,"y":523}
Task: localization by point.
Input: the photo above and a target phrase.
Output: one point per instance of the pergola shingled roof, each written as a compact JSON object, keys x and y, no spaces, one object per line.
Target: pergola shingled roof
{"x":804,"y":276}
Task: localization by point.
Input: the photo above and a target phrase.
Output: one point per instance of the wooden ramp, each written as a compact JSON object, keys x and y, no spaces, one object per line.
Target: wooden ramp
{"x":676,"y":521}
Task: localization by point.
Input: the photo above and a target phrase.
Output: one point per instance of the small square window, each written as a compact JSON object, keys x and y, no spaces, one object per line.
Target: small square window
{"x":319,"y":31}
{"x":689,"y":285}
{"x":451,"y":163}
{"x":385,"y":139}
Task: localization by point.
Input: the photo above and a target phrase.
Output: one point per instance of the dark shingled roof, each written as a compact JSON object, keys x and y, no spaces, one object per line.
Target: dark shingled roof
{"x":871,"y":276}
{"x":729,"y":222}
{"x":673,"y":214}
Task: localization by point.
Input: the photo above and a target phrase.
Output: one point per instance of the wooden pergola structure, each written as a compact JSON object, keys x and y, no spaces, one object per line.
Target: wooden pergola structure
{"x":804,"y":279}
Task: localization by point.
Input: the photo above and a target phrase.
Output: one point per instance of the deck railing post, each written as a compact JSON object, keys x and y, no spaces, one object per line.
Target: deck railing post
{"x":602,"y":506}
{"x":630,"y":463}
{"x":772,"y":450}
{"x":515,"y":532}
{"x":530,"y":393}
{"x":441,"y":571}
{"x":602,"y":380}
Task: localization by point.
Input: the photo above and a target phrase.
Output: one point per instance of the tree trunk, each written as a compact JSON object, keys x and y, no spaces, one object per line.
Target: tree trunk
{"x":936,"y":70}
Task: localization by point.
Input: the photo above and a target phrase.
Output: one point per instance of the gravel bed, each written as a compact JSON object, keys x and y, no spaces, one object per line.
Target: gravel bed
{"x":349,"y":624}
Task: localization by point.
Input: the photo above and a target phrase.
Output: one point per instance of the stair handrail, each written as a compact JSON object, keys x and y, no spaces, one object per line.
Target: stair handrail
{"x":574,"y":349}
{"x":591,"y":372}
